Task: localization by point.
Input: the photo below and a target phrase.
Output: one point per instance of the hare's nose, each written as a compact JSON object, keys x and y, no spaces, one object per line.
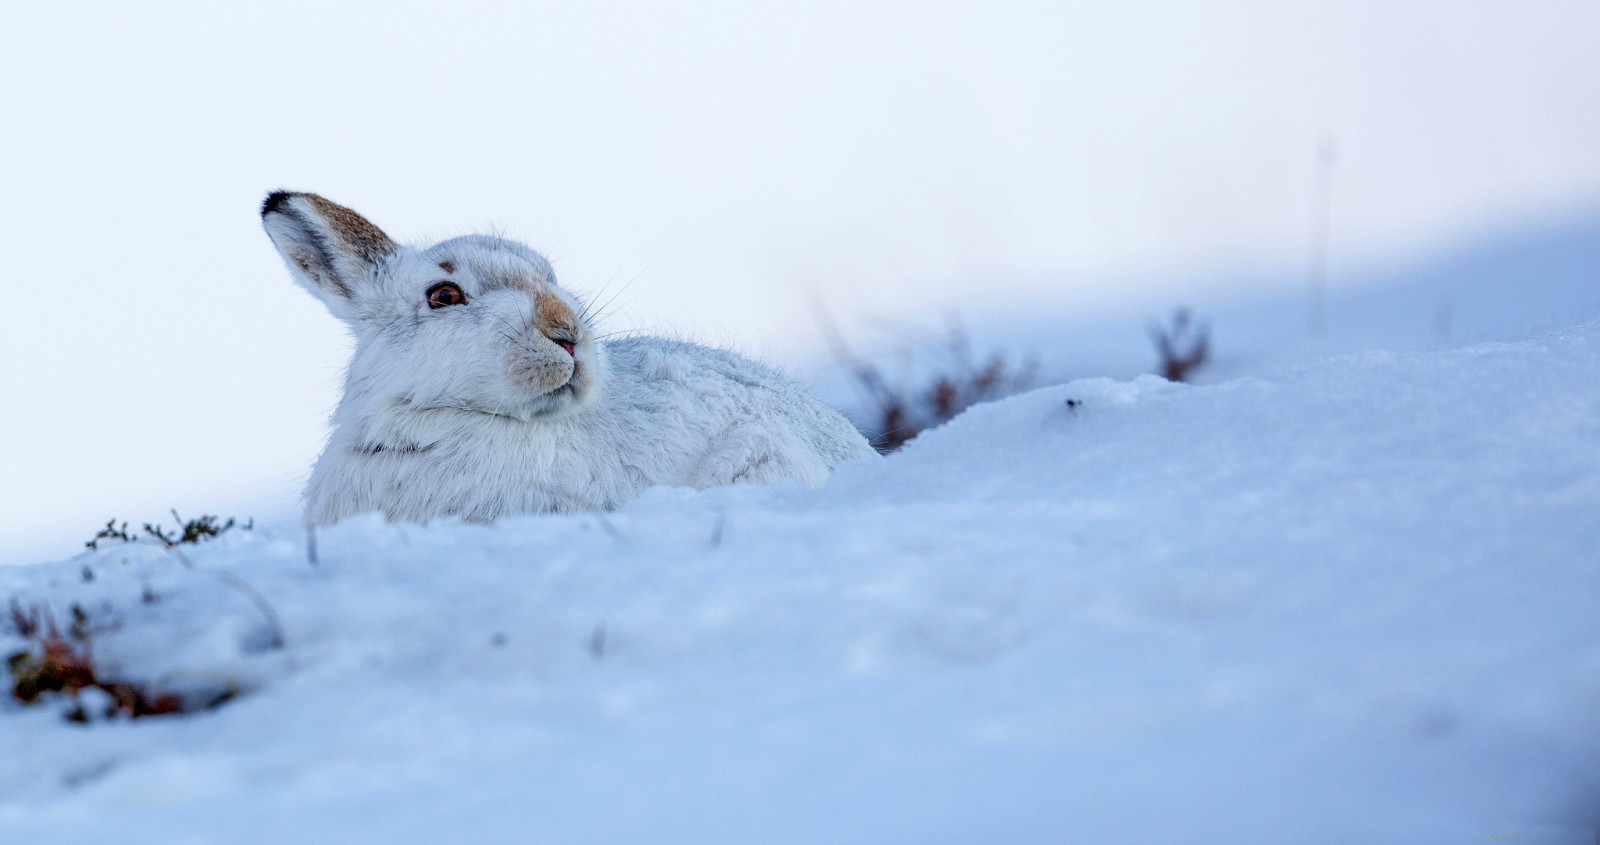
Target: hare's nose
{"x":567,"y":345}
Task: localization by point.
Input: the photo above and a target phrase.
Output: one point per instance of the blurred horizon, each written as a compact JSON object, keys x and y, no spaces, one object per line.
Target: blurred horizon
{"x":725,"y":168}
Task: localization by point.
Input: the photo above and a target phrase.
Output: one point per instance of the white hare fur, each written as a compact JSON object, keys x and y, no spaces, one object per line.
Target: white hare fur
{"x":506,"y":403}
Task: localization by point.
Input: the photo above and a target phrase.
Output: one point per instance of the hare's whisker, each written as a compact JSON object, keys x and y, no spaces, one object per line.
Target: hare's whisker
{"x":599,"y":312}
{"x":588,"y":302}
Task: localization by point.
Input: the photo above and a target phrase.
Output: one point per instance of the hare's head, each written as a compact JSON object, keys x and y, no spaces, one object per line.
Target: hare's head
{"x":474,"y":323}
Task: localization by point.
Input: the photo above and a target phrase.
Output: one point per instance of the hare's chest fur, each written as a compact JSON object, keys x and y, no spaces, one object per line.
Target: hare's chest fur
{"x":669,"y":414}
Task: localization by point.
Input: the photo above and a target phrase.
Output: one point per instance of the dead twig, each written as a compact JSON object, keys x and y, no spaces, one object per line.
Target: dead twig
{"x":1183,"y":345}
{"x":897,"y":412}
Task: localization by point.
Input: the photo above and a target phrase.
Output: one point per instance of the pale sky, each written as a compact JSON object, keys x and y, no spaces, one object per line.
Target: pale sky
{"x":741,"y":160}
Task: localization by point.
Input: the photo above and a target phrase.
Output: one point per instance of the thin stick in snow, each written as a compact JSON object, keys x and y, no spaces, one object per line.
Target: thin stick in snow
{"x":1321,"y":203}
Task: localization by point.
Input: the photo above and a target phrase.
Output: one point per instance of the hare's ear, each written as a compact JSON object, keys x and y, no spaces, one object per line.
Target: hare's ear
{"x":330,"y":249}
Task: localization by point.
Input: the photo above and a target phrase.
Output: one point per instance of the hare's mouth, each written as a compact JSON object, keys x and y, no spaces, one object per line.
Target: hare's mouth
{"x":567,"y":389}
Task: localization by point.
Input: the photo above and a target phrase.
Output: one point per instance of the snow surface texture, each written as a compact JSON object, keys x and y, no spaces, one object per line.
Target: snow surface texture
{"x":1352,"y":603}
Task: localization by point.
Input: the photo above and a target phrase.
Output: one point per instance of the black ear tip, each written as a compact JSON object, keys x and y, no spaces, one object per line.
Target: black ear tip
{"x":274,"y":201}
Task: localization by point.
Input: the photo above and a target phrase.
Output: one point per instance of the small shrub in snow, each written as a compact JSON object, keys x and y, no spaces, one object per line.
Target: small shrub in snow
{"x":897,"y":412}
{"x":63,"y":664}
{"x":189,"y":531}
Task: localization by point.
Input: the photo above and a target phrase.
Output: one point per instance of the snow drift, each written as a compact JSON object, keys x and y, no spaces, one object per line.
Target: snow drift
{"x":1357,"y":602}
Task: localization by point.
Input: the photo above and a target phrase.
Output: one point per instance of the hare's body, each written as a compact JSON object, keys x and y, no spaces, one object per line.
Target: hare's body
{"x":478,"y":390}
{"x":670,"y":413}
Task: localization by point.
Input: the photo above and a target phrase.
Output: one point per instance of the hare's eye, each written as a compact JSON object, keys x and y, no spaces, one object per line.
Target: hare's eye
{"x":445,"y":293}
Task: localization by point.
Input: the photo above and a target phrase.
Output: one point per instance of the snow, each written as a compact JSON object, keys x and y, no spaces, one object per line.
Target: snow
{"x":1352,"y":601}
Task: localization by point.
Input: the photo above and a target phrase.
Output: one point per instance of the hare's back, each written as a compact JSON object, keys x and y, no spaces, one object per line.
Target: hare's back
{"x":707,"y":392}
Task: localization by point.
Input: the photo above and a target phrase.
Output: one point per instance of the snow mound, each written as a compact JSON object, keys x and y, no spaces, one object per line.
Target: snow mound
{"x":1354,"y":603}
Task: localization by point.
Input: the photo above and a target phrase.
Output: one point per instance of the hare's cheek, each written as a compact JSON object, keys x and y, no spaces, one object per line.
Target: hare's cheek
{"x":582,"y":376}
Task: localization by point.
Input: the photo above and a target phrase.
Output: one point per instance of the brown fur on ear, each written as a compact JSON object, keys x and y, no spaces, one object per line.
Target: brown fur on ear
{"x":356,"y":231}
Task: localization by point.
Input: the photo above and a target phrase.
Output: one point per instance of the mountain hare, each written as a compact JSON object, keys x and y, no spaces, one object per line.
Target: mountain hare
{"x":478,"y":389}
